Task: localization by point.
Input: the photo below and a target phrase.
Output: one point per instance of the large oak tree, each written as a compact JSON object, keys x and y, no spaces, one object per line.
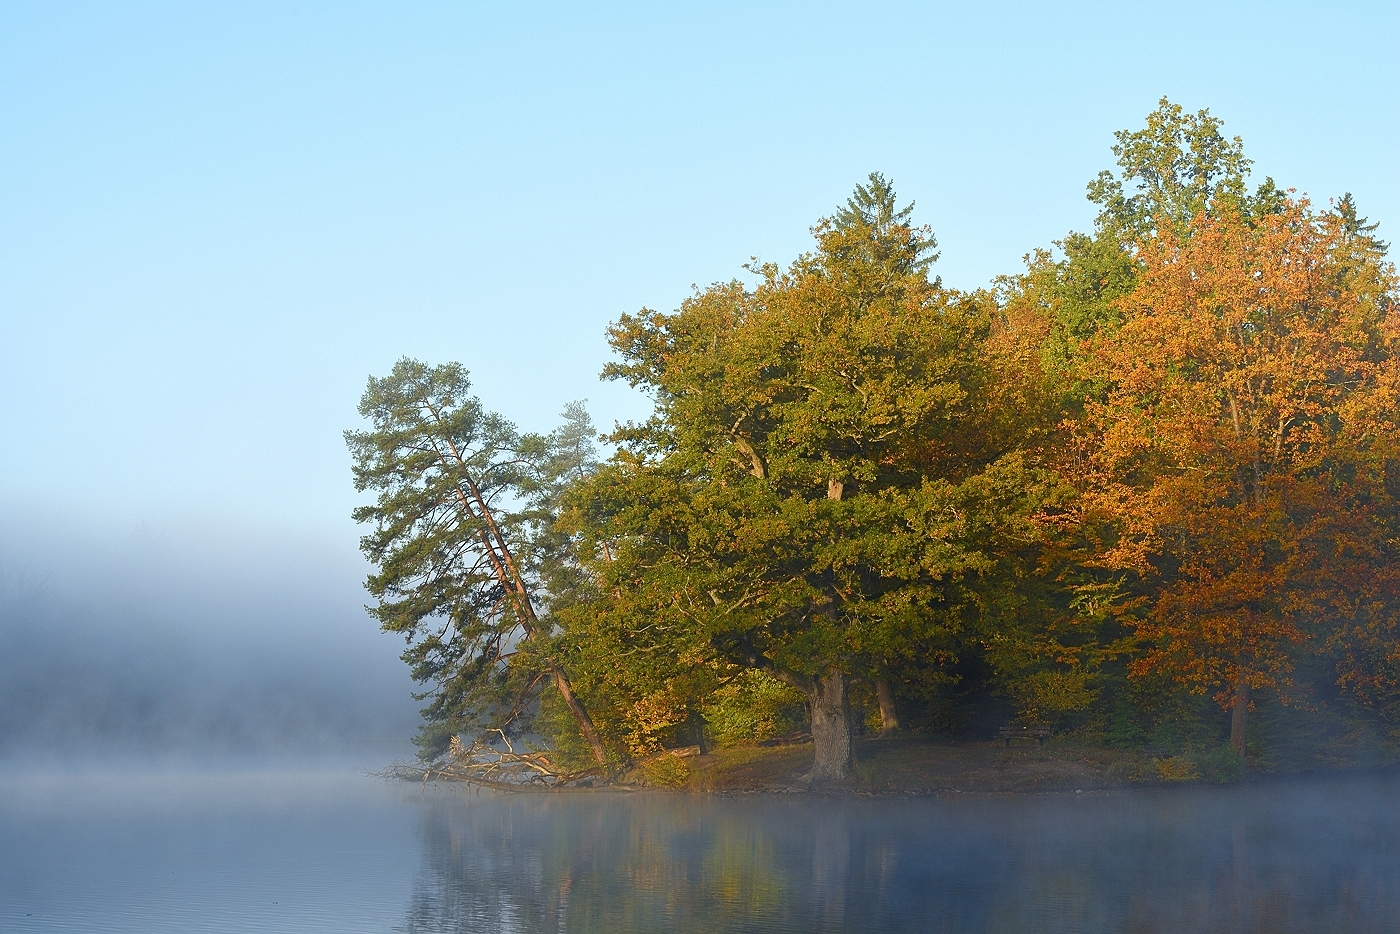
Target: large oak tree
{"x":824,"y":482}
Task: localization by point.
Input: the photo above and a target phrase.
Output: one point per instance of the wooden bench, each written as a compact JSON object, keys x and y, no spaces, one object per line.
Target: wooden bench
{"x":1037,"y":733}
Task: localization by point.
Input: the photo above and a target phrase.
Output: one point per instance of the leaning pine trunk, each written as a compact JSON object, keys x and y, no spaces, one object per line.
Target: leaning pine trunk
{"x":1239,"y":714}
{"x":508,"y":573}
{"x":585,"y":722}
{"x":831,"y":728}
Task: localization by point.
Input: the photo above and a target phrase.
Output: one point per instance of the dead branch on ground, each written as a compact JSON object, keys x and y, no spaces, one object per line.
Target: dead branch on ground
{"x":484,"y":762}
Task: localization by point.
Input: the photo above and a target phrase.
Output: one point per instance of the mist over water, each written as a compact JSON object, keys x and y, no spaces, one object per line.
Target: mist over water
{"x":333,"y":851}
{"x":1298,"y":858}
{"x":194,"y":644}
{"x":186,"y":718}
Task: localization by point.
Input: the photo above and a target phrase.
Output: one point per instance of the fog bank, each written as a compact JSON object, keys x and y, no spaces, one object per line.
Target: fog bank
{"x":191,"y":641}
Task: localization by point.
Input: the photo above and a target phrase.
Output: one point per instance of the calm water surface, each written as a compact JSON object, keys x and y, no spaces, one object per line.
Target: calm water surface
{"x":335,"y":851}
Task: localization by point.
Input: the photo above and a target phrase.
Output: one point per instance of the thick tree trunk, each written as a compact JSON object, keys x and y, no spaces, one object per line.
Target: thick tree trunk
{"x":889,"y":719}
{"x":831,"y":728}
{"x":585,"y":722}
{"x":695,"y":729}
{"x":831,"y":707}
{"x":1239,"y":715}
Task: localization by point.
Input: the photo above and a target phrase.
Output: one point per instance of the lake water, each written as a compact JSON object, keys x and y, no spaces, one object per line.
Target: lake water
{"x":335,"y":851}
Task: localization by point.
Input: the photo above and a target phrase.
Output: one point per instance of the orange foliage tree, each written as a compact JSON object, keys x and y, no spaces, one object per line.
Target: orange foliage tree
{"x":1219,"y":455}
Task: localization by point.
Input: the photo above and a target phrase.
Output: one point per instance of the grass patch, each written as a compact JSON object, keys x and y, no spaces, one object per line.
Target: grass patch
{"x":916,"y":765}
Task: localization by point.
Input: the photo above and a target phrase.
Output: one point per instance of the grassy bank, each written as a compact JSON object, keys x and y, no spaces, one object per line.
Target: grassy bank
{"x":917,"y":765}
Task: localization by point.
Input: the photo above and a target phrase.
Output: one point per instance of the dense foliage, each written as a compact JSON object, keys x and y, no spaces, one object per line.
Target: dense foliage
{"x":1138,"y":490}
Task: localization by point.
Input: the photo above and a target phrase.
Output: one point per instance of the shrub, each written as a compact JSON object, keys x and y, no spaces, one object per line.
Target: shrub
{"x":1178,"y":769}
{"x":1047,"y":695}
{"x":752,"y":707}
{"x":666,"y":771}
{"x":1222,"y":765}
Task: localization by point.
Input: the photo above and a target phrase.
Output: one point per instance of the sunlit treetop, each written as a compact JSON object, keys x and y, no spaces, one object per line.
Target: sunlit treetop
{"x":1174,"y":168}
{"x":870,"y":217}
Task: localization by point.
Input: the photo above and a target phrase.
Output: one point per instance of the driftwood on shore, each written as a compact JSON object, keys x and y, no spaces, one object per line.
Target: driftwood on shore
{"x":494,"y":763}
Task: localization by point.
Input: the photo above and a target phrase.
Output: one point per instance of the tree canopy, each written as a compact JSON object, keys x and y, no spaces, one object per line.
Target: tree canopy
{"x":1154,"y":470}
{"x":456,"y":573}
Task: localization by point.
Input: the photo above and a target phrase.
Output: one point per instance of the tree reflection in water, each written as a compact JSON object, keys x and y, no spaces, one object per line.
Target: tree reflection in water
{"x":1310,"y":858}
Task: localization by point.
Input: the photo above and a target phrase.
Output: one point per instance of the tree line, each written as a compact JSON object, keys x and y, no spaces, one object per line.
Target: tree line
{"x":1152,"y":474}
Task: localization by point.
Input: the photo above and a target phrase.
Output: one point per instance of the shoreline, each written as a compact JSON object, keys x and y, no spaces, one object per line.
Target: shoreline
{"x":914,"y":767}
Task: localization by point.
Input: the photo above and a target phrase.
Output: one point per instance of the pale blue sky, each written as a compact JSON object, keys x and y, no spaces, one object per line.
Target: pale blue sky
{"x":217,"y":220}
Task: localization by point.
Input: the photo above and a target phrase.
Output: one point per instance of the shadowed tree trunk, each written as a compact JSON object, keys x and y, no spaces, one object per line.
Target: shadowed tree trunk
{"x":695,"y":729}
{"x":831,"y":728}
{"x":1239,"y":714}
{"x":889,"y":719}
{"x":829,"y":701}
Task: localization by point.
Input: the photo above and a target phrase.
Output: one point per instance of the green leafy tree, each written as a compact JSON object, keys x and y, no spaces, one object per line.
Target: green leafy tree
{"x":819,"y":490}
{"x":1173,"y":169}
{"x":458,"y":567}
{"x":1177,"y":166}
